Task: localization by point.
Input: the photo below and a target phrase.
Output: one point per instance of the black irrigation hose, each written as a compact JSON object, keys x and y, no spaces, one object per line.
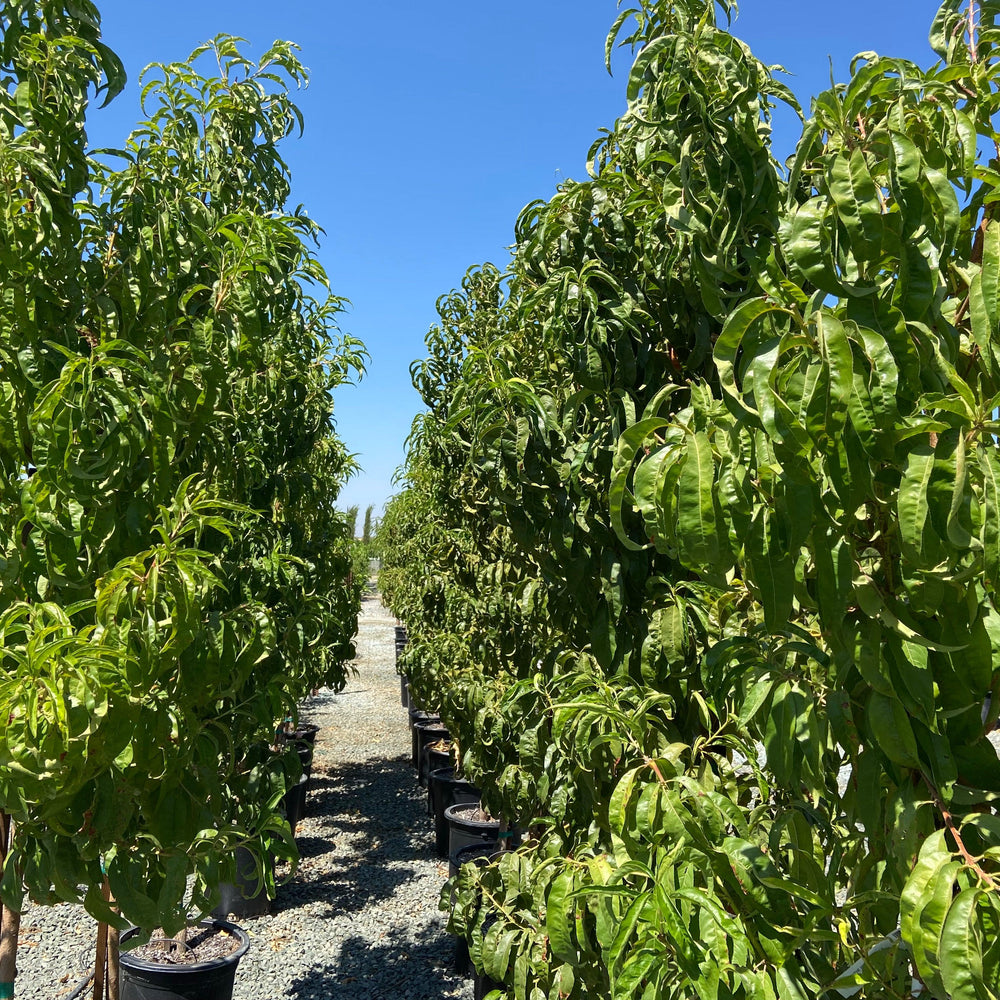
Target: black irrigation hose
{"x":81,"y":986}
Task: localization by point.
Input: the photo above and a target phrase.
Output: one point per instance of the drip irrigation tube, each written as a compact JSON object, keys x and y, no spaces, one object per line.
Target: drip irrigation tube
{"x":81,"y":986}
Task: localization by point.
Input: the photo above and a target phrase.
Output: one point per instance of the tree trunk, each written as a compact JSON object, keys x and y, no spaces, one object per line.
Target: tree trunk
{"x":9,"y":930}
{"x":113,"y":963}
{"x":10,"y":922}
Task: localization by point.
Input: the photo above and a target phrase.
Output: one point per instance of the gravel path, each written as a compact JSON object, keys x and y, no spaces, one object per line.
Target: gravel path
{"x":360,"y":920}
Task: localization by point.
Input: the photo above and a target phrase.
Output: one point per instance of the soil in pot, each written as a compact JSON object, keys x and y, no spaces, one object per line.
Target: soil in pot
{"x":204,"y":943}
{"x":204,"y":970}
{"x":474,"y":813}
{"x":444,"y":790}
{"x":469,"y":824}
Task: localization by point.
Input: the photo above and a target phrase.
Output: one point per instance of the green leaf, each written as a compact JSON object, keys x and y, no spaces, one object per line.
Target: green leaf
{"x":854,"y":193}
{"x":989,"y":463}
{"x":913,"y":505}
{"x":559,"y":918}
{"x":839,"y":359}
{"x":892,"y":731}
{"x":961,"y":954}
{"x":773,"y":568}
{"x":728,"y":346}
{"x":698,"y":538}
{"x":628,"y":446}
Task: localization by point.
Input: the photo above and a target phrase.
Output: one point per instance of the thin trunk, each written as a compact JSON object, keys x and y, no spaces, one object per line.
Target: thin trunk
{"x":8,"y":952}
{"x":113,"y":963}
{"x":10,"y":922}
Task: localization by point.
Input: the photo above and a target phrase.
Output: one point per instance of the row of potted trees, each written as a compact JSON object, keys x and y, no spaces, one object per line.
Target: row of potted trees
{"x":174,"y":575}
{"x":464,"y":832}
{"x":697,"y":536}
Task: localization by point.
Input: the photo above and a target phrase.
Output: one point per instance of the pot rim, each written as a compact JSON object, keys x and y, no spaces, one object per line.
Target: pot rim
{"x":133,"y":961}
{"x":479,"y":824}
{"x":438,"y":774}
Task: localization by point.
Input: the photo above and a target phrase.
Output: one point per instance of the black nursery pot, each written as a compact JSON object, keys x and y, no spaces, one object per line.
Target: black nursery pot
{"x":306,"y":733}
{"x":212,"y":980}
{"x":447,"y":790}
{"x":417,"y":720}
{"x":482,"y":985}
{"x":426,"y":734}
{"x":404,"y":691}
{"x":304,"y":742}
{"x":432,"y":760}
{"x":480,"y":855}
{"x":293,"y":803}
{"x":246,"y":897}
{"x":417,"y":715}
{"x":463,"y":831}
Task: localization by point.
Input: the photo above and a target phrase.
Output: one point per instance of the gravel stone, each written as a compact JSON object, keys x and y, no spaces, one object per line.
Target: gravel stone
{"x":360,"y":918}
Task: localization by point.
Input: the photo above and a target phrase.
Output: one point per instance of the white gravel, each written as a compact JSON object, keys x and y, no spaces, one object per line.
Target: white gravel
{"x":360,"y":919}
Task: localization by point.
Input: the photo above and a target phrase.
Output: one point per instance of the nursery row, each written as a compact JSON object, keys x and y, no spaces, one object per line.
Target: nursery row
{"x":174,"y":577}
{"x":464,"y":832}
{"x":703,"y":514}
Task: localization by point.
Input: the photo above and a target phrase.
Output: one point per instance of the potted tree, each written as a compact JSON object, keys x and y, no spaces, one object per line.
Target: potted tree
{"x":174,"y":566}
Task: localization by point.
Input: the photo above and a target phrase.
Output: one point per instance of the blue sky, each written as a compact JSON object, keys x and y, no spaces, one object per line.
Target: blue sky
{"x":430,"y":125}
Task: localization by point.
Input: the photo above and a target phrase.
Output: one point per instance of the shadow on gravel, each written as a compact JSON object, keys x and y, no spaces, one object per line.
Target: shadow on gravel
{"x":376,"y":815}
{"x":418,"y":966}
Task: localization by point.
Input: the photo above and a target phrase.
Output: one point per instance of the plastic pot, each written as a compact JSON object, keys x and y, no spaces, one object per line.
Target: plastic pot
{"x":463,"y":830}
{"x":422,"y":719}
{"x":437,"y":759}
{"x":433,"y":760}
{"x":212,"y":980}
{"x":482,"y":985}
{"x":427,"y":733}
{"x":304,"y":742}
{"x":418,"y":715}
{"x":306,"y":733}
{"x":444,"y":790}
{"x":480,"y":855}
{"x":293,"y":803}
{"x":247,"y":896}
{"x":404,"y":691}
{"x":305,"y":752}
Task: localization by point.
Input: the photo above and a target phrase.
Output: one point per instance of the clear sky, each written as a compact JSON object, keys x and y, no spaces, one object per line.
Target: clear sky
{"x":430,"y":125}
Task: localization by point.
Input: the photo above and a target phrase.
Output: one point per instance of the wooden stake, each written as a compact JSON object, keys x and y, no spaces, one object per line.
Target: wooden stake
{"x":102,"y":965}
{"x":100,"y":962}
